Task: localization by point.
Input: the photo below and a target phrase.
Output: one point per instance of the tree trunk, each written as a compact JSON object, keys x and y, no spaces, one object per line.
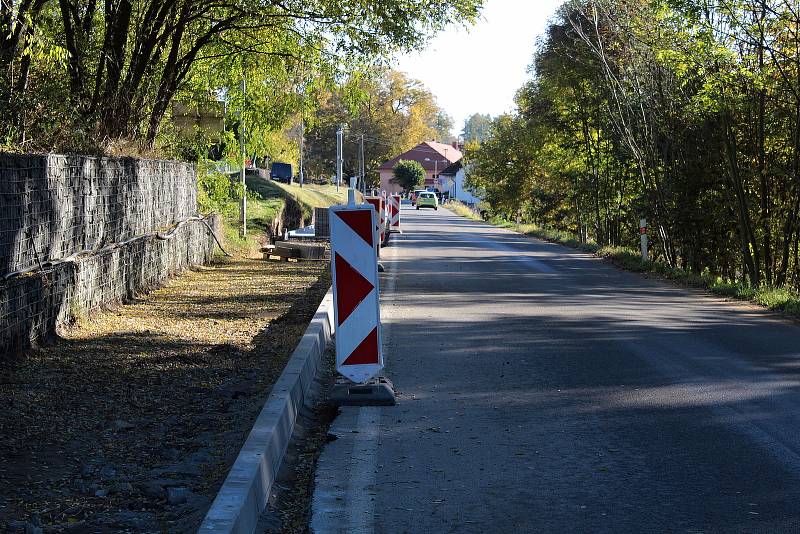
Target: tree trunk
{"x":746,"y":240}
{"x":762,"y":159}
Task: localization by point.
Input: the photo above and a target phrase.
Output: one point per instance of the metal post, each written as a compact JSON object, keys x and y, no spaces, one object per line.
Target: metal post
{"x":339,"y":156}
{"x":643,"y":232}
{"x":351,"y":193}
{"x":361,"y":163}
{"x":243,"y":208}
{"x":302,"y":135}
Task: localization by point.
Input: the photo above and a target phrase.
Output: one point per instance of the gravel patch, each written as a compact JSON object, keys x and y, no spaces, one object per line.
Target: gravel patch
{"x":130,"y":422}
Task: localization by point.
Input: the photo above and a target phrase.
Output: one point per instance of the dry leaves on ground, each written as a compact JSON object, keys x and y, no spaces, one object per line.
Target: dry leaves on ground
{"x":130,"y":422}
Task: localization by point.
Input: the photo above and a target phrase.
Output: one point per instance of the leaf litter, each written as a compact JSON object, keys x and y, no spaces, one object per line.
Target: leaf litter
{"x":130,"y":421}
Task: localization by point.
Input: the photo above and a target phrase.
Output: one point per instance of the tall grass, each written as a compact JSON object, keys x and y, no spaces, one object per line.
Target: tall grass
{"x":465,"y":211}
{"x":265,"y":199}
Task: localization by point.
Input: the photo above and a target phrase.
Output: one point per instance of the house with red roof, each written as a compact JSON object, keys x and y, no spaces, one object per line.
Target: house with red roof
{"x":434,"y":158}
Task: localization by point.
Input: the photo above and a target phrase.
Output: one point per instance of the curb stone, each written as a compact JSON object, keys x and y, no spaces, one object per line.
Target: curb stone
{"x":243,"y":496}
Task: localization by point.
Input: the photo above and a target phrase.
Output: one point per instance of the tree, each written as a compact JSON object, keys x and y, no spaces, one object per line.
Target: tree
{"x":391,"y":111}
{"x":686,"y":112}
{"x":101,"y":71}
{"x":502,"y":167}
{"x":443,"y":125}
{"x":476,"y":128}
{"x":408,"y":174}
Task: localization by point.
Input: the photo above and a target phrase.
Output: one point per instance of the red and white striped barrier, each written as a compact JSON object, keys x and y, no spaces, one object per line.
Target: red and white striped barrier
{"x":380,"y":208}
{"x":394,"y":214}
{"x":354,"y":245}
{"x":385,"y":198}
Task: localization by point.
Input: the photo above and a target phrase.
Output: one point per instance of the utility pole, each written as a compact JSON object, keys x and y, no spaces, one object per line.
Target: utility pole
{"x":361,"y":170}
{"x":244,"y":157}
{"x":302,"y":140}
{"x":339,"y":155}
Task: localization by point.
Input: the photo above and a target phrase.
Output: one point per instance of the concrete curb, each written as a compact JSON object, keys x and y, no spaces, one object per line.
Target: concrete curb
{"x":243,"y":495}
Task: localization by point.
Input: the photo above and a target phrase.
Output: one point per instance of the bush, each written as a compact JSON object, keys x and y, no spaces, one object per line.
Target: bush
{"x":778,"y":299}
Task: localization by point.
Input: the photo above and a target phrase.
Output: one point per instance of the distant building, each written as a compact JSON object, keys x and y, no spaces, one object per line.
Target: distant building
{"x":452,"y":179}
{"x":434,"y":158}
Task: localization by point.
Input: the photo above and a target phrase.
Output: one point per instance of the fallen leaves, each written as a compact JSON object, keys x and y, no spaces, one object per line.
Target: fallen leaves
{"x":168,"y":383}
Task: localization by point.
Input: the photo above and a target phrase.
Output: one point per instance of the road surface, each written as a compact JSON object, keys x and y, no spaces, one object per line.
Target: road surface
{"x":543,"y":390}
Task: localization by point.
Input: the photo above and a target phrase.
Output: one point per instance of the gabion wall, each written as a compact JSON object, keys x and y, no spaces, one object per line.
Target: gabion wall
{"x":54,"y":206}
{"x":77,"y":233}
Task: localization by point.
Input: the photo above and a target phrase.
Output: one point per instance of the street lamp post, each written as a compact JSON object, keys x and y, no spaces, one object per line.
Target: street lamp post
{"x":302,"y":142}
{"x":243,"y":207}
{"x":339,"y":154}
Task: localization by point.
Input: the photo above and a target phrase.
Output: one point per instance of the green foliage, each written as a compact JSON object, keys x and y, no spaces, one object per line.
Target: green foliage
{"x":781,"y":299}
{"x":505,"y":166}
{"x":476,"y":128}
{"x":214,"y":191}
{"x":408,"y":174}
{"x":86,"y":74}
{"x":392,"y":112}
{"x":682,"y":113}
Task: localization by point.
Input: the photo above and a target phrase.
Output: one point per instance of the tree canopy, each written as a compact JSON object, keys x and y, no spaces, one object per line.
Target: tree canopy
{"x":408,"y":174}
{"x":686,"y":113}
{"x":476,"y":128}
{"x":81,"y":73}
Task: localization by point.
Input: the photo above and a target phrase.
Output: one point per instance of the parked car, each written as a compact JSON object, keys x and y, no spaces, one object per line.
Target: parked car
{"x":427,"y":200}
{"x":282,"y":172}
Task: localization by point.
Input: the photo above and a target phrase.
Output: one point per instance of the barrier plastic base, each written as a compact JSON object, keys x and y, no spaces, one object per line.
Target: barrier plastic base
{"x":378,"y":391}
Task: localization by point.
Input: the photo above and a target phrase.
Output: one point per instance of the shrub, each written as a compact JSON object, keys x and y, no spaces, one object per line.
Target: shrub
{"x":214,"y":191}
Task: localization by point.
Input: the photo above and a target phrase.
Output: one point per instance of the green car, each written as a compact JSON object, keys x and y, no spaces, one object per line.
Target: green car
{"x":427,"y":200}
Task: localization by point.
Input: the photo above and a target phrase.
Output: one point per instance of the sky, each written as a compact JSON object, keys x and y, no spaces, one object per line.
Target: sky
{"x":478,"y":70}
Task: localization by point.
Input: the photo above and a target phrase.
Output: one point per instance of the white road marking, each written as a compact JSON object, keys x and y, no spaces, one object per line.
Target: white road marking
{"x":343,"y":502}
{"x":360,"y":501}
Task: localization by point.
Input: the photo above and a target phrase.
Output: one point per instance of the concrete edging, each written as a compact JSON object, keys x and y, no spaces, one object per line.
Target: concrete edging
{"x":243,"y":496}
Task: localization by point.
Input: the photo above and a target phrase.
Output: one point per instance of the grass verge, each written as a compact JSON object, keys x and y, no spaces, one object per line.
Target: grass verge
{"x":310,"y":196}
{"x":777,"y":299}
{"x":266,"y":200}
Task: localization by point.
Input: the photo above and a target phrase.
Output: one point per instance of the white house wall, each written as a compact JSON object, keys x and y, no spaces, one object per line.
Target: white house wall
{"x":461,"y":193}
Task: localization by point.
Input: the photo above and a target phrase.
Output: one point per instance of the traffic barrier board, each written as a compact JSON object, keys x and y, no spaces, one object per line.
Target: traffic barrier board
{"x":394,"y":214}
{"x":354,"y":244}
{"x":380,"y":223}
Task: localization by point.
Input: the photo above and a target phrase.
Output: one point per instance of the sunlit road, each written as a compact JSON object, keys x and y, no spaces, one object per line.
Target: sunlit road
{"x":542,"y":390}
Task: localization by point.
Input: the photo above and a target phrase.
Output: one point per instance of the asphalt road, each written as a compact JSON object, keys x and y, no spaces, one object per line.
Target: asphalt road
{"x":543,"y":390}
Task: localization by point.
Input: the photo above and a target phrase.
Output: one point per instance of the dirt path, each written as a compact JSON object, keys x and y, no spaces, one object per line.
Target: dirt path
{"x":130,"y":422}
